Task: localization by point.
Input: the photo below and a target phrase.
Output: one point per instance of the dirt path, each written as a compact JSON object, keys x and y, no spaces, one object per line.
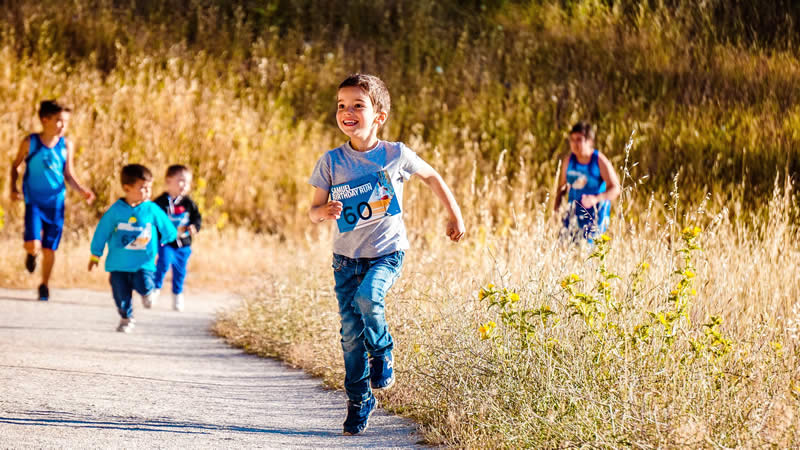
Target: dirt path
{"x":68,"y":379}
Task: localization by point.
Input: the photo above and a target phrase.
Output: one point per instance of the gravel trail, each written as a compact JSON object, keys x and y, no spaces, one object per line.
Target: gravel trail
{"x":69,"y":380}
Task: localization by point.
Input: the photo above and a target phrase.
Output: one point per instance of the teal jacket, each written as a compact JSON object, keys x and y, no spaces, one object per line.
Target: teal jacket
{"x":132,"y":235}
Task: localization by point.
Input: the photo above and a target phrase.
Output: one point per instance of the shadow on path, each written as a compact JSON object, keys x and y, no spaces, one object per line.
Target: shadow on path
{"x":64,"y":419}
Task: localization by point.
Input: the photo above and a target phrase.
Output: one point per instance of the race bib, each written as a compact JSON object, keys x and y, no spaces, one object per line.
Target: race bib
{"x":365,"y":201}
{"x":133,"y":236}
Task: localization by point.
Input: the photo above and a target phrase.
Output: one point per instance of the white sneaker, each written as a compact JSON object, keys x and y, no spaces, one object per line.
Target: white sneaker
{"x":150,"y":299}
{"x":177,"y":302}
{"x":126,"y":325}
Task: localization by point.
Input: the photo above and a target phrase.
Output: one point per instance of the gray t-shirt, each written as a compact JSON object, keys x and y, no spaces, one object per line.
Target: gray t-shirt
{"x":343,"y":164}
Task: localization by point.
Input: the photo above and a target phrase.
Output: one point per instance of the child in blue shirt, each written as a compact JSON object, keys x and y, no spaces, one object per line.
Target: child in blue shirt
{"x":360,"y":185}
{"x":131,"y":228}
{"x":185,"y":215}
{"x":48,"y":169}
{"x":590,"y":182}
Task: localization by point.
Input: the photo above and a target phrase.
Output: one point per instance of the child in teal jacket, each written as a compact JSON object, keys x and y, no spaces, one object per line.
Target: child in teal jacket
{"x":131,"y":227}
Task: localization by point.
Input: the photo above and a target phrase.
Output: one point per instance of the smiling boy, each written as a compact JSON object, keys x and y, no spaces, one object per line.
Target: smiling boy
{"x":360,"y":185}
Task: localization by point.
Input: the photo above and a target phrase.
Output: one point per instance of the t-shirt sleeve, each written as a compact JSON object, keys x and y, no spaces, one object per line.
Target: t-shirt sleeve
{"x":410,"y":162}
{"x":321,"y":176}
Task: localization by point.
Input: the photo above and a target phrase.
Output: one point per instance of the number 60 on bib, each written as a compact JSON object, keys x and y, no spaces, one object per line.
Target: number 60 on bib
{"x":365,"y":201}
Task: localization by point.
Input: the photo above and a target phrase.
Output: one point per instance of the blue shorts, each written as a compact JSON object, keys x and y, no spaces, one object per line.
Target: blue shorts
{"x":44,"y":224}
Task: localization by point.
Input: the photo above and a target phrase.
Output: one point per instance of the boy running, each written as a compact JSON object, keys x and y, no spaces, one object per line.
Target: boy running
{"x":131,"y":228}
{"x":48,"y":169}
{"x":360,"y":185}
{"x":185,"y":215}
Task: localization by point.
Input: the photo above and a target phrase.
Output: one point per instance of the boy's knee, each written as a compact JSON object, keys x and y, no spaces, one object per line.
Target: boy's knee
{"x":351,"y":343}
{"x":369,"y":303}
{"x":32,"y":246}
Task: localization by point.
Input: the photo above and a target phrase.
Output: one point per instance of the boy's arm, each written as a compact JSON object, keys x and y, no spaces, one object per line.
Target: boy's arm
{"x":195,"y":218}
{"x":609,"y":175}
{"x":101,"y":235}
{"x":561,"y":188}
{"x":69,"y":177}
{"x":164,"y":226}
{"x":22,"y":152}
{"x":455,"y":223}
{"x":322,"y":209}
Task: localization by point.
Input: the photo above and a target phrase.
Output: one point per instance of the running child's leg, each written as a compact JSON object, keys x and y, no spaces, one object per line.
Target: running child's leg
{"x":32,"y":236}
{"x":180,"y":260}
{"x":162,"y":265}
{"x":122,"y":290}
{"x":356,"y":379}
{"x":52,"y":230}
{"x":143,"y":282}
{"x":370,"y":298}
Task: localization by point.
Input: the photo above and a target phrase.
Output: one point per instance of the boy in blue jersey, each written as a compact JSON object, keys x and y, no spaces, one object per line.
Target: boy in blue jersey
{"x":131,"y":227}
{"x":185,"y":215}
{"x":360,"y":185}
{"x":48,"y":169}
{"x":590,"y":182}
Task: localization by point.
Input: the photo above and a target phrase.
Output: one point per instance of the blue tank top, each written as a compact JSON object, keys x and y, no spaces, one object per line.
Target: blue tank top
{"x":43,"y":182}
{"x":585,"y":179}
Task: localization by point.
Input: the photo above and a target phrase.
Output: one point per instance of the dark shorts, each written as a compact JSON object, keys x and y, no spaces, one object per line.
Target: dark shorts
{"x":44,"y":224}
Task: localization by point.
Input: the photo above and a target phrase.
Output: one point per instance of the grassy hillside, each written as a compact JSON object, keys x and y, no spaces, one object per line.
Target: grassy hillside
{"x":243,"y":90}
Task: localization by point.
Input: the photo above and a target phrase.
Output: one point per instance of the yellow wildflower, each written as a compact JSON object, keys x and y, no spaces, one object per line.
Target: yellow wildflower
{"x":688,"y":273}
{"x":486,"y":329}
{"x":674,"y":292}
{"x":645,"y":266}
{"x":514,"y":297}
{"x":573,"y":277}
{"x":481,"y":294}
{"x":417,"y":348}
{"x":605,"y":238}
{"x":693,"y":291}
{"x":489,"y":286}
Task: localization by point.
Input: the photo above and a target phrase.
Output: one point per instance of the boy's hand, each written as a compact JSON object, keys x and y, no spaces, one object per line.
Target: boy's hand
{"x":192,"y":230}
{"x":331,"y":210}
{"x":16,"y":196}
{"x":588,"y":200}
{"x":455,"y":229}
{"x":92,"y":264}
{"x":89,"y":196}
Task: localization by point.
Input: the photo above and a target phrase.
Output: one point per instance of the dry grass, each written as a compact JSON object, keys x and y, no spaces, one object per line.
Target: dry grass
{"x":735,"y":384}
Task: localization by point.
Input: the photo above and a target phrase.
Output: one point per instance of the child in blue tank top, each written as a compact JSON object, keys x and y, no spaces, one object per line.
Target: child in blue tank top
{"x":590,"y":182}
{"x":48,"y":169}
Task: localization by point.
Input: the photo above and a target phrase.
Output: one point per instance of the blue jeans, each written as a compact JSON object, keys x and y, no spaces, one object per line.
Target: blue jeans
{"x":177,"y":258}
{"x":361,"y":286}
{"x":124,"y":283}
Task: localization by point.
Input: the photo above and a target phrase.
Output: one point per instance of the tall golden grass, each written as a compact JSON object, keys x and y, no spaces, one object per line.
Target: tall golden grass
{"x":472,"y":378}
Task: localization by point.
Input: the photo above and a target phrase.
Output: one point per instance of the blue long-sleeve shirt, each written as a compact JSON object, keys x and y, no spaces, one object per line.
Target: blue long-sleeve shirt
{"x":132,"y":241}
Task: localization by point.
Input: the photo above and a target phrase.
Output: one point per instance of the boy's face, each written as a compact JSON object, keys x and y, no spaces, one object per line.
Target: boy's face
{"x":579,"y":143}
{"x":138,"y":192}
{"x":356,"y":115}
{"x":56,"y":124}
{"x":179,"y":184}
